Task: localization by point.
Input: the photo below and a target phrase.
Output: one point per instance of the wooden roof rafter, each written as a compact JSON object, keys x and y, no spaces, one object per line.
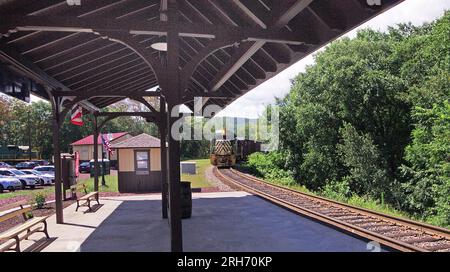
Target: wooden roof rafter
{"x":227,"y":46}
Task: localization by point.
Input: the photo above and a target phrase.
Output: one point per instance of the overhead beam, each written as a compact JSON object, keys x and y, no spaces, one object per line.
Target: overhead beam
{"x":149,"y":116}
{"x":143,"y":114}
{"x":210,"y":95}
{"x":75,"y":24}
{"x":241,"y":56}
{"x":246,"y":50}
{"x":189,"y":69}
{"x":262,"y":23}
{"x":103,"y":93}
{"x":142,"y":100}
{"x":289,"y":12}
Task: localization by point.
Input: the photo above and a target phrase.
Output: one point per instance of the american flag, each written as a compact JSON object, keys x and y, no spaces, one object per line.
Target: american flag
{"x":76,"y":116}
{"x":106,"y":144}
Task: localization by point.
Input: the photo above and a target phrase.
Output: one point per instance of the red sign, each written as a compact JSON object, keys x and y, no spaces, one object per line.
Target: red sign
{"x":77,"y":164}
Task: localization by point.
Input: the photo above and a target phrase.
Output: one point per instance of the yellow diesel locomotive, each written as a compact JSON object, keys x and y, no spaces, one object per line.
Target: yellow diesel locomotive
{"x":226,"y":152}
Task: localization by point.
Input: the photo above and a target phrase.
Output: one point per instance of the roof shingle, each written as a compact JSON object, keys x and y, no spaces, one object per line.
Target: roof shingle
{"x":141,"y":141}
{"x":89,"y":140}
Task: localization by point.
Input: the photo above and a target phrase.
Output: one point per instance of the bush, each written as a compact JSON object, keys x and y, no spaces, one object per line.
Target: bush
{"x":270,"y":166}
{"x":39,"y":200}
{"x":339,"y":191}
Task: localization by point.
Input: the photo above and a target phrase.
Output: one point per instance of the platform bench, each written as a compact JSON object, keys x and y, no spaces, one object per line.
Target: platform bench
{"x":16,"y":232}
{"x":87,"y":198}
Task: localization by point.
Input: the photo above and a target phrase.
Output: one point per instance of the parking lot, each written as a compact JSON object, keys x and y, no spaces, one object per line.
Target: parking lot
{"x":25,"y":175}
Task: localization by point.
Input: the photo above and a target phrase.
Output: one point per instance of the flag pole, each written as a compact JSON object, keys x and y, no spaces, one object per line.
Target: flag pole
{"x":103,"y":161}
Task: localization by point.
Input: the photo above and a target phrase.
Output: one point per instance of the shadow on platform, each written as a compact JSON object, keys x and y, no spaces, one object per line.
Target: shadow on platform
{"x":230,"y":224}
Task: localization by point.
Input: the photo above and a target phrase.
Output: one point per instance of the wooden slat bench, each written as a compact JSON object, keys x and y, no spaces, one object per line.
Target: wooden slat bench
{"x":25,"y":228}
{"x":88,"y":197}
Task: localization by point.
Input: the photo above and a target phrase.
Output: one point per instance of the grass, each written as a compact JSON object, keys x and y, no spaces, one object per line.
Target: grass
{"x":357,"y":201}
{"x":46,"y":190}
{"x":198,"y":180}
{"x":111,"y":186}
{"x":110,"y":181}
{"x":362,"y":202}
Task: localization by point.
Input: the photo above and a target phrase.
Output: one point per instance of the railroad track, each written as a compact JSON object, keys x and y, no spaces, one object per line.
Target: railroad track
{"x":397,"y":233}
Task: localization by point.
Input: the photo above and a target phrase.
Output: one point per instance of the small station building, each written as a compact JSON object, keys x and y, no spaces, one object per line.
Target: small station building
{"x":139,"y":164}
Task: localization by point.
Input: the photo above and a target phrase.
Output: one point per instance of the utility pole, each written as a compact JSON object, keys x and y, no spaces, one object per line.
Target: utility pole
{"x":103,"y":161}
{"x":29,"y":134}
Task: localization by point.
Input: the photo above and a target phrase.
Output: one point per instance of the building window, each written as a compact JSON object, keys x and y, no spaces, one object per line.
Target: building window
{"x":142,"y":162}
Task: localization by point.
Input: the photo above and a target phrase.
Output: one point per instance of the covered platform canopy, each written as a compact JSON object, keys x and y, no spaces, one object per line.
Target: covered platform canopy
{"x":95,"y":53}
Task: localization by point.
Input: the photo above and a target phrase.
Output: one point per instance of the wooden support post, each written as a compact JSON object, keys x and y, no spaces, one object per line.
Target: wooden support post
{"x":103,"y":160}
{"x":57,"y":162}
{"x":96,"y":165}
{"x":173,"y":96}
{"x":174,"y":189}
{"x":163,"y":139}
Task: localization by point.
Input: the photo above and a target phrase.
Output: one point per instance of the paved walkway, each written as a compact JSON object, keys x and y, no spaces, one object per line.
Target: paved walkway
{"x":227,"y":221}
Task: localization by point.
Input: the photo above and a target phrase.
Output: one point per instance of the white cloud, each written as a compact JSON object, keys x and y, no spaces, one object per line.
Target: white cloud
{"x":415,"y":11}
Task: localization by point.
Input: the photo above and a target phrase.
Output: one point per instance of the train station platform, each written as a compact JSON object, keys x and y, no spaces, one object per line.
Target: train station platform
{"x":226,"y":221}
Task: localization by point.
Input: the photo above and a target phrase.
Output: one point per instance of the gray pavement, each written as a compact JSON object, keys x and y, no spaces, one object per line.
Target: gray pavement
{"x":226,"y":221}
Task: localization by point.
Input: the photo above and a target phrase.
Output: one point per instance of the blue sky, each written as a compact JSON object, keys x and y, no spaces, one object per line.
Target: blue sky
{"x":253,"y":103}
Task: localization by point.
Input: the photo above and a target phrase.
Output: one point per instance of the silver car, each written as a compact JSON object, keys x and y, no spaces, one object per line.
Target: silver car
{"x":10,"y":184}
{"x":46,"y":179}
{"x":26,"y":180}
{"x":5,"y":165}
{"x":48,"y":169}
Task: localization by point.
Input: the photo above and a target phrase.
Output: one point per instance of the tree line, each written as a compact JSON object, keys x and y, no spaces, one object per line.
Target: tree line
{"x":23,"y":123}
{"x":371,"y":118}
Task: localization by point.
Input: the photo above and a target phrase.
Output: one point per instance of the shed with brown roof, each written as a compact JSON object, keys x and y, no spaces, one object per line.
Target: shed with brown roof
{"x":139,"y":164}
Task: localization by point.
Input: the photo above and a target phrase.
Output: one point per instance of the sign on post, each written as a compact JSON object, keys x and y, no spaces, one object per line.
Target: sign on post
{"x":16,"y":85}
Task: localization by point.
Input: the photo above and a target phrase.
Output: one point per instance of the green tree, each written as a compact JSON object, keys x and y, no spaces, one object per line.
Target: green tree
{"x":41,"y":127}
{"x":367,"y":174}
{"x":351,"y":82}
{"x":427,"y":172}
{"x":371,"y":117}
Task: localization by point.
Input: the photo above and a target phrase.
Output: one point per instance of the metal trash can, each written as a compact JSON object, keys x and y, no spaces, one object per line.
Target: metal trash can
{"x":186,"y":199}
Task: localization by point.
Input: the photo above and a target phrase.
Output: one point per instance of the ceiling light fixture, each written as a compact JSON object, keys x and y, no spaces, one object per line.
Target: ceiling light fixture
{"x":159,"y":44}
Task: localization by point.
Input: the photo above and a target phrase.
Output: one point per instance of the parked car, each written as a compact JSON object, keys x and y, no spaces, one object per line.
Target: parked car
{"x":85,"y":167}
{"x":46,"y":179}
{"x":26,"y":165}
{"x":49,"y":169}
{"x":10,"y":184}
{"x":5,"y":165}
{"x":42,"y":162}
{"x":26,"y":180}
